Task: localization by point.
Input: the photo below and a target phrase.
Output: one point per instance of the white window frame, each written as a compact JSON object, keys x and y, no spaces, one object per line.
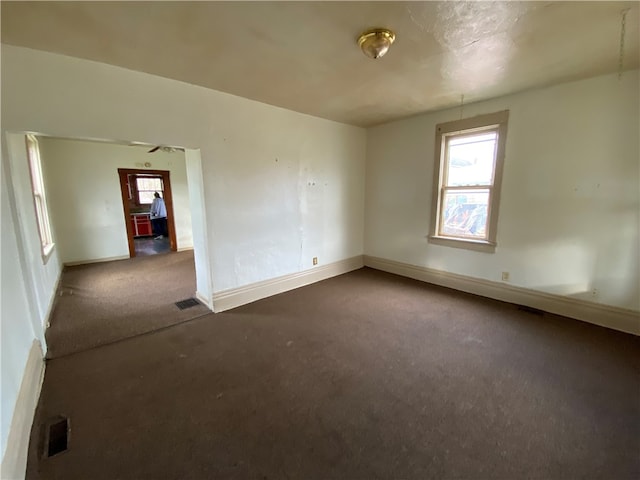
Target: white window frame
{"x":39,"y":197}
{"x":493,"y":122}
{"x":137,"y":189}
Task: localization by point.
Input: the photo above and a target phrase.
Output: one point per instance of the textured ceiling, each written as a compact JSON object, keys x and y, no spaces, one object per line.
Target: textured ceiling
{"x":303,"y":55}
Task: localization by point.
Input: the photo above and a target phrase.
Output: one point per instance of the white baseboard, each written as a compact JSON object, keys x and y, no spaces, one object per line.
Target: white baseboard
{"x":236,"y":297}
{"x":14,"y":461}
{"x":111,"y":259}
{"x":204,"y":300}
{"x":96,"y":260}
{"x":608,"y":316}
{"x":46,"y":321}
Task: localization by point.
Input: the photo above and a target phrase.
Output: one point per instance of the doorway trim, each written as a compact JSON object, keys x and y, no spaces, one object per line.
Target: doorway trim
{"x":124,"y":173}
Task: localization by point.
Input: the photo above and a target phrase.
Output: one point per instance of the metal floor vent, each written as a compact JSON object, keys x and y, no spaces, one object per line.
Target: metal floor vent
{"x":188,"y":303}
{"x":57,"y":436}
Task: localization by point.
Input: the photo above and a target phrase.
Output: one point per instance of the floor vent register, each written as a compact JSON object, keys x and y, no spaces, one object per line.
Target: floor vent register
{"x":188,"y":303}
{"x":56,"y":436}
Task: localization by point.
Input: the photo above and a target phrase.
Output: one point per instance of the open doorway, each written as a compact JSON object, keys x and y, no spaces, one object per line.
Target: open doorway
{"x":128,"y":296}
{"x":148,"y":233}
{"x":85,"y":200}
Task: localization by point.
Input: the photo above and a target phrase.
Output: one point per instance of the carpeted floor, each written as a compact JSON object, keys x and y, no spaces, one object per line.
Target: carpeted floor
{"x":100,"y":303}
{"x":367,"y":375}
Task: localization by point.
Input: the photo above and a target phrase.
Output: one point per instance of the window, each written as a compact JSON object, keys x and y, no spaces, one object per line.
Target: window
{"x":469,"y":154}
{"x":39,"y":197}
{"x":146,"y":187}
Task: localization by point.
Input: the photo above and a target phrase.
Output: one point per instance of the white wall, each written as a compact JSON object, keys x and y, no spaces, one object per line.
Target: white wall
{"x":83,"y":192}
{"x":19,"y":321}
{"x":570,"y":206}
{"x":279,"y":187}
{"x":40,"y":277}
{"x":199,"y":223}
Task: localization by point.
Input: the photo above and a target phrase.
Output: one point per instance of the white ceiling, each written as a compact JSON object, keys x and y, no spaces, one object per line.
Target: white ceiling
{"x":303,"y":55}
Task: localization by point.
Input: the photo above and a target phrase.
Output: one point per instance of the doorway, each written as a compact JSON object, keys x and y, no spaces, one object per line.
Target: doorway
{"x":76,"y":169}
{"x":139,"y":188}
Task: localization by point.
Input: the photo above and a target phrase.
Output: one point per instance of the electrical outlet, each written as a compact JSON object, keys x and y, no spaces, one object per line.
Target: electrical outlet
{"x":315,"y":260}
{"x":594,"y":292}
{"x":505,"y":276}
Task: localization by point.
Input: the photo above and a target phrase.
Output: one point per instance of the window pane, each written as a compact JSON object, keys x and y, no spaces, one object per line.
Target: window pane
{"x":37,"y":183}
{"x":465,"y":213}
{"x":154,"y":184}
{"x":40,"y":209}
{"x":34,"y":160}
{"x":145,"y":197}
{"x":146,"y":187}
{"x":471,"y":159}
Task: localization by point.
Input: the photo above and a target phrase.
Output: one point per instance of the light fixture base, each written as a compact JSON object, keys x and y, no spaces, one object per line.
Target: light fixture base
{"x":376,"y":42}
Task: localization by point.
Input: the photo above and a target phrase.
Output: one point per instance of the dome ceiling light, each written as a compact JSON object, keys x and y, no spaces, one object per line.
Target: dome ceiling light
{"x":376,"y":42}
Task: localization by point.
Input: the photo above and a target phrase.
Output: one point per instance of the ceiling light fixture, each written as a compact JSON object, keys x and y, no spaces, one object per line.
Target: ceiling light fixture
{"x":376,"y":42}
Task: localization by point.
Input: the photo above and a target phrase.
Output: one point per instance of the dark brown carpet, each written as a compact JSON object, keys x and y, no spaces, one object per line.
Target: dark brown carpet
{"x":101,"y":303}
{"x":363,"y":376}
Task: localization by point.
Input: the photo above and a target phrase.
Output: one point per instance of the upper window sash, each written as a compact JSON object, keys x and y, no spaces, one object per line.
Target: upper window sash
{"x":459,"y":141}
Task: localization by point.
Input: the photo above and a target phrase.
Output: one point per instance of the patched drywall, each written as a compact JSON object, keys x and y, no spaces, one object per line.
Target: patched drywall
{"x":570,"y":203}
{"x":85,"y":203}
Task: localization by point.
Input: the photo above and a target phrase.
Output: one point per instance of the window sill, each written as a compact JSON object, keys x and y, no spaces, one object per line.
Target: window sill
{"x":47,"y":250}
{"x":467,"y":244}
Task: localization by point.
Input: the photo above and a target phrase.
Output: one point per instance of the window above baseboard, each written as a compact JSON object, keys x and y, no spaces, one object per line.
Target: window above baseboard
{"x":468,"y":160}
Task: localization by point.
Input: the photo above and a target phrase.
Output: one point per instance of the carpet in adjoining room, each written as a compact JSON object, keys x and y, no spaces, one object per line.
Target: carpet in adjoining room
{"x":100,"y":303}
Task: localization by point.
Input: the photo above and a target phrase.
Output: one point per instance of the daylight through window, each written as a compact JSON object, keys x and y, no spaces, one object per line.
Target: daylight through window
{"x":146,"y":187}
{"x":470,"y":154}
{"x":39,"y":197}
